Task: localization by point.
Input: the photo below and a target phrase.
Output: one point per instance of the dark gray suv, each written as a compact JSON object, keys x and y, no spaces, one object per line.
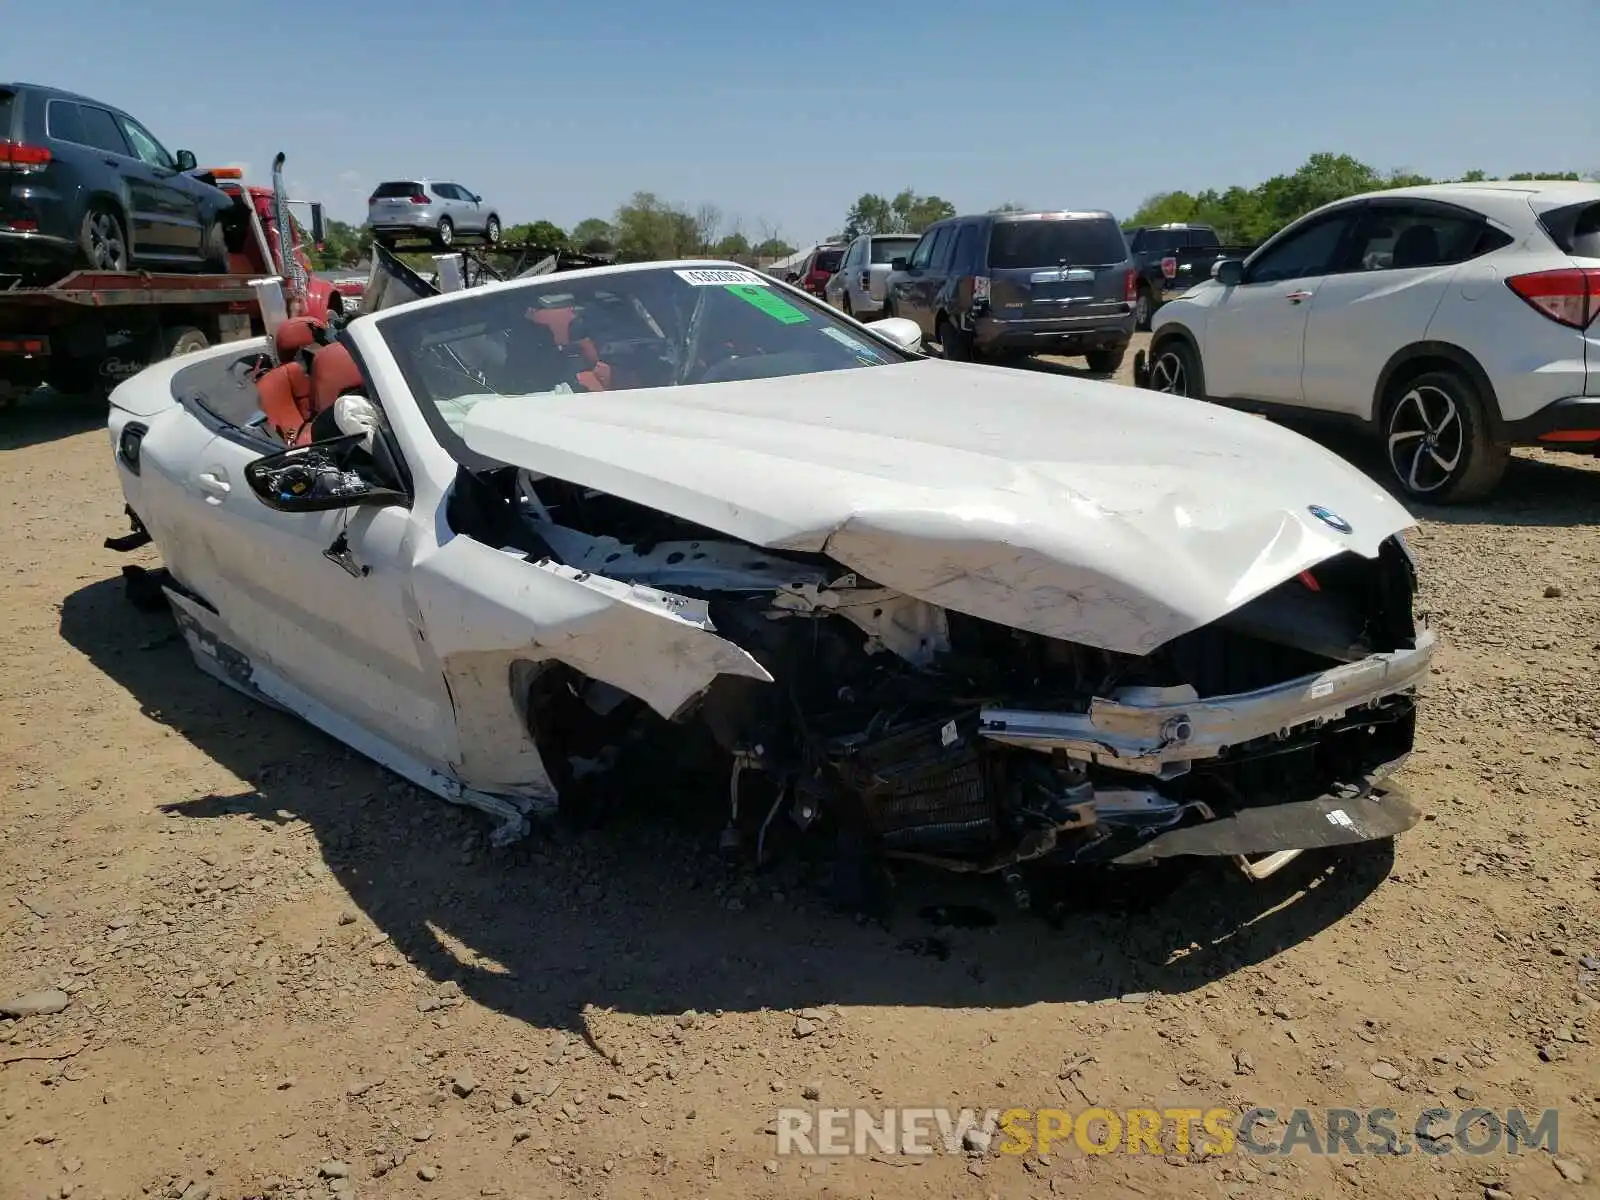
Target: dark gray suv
{"x":1021,"y":283}
{"x":84,"y":184}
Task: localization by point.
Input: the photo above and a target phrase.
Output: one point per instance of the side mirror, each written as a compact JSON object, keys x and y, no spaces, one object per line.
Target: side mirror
{"x":316,"y":478}
{"x":477,"y":199}
{"x":902,"y":331}
{"x":791,"y":277}
{"x":897,"y":264}
{"x":1228,"y":271}
{"x":185,"y":160}
{"x":319,"y":227}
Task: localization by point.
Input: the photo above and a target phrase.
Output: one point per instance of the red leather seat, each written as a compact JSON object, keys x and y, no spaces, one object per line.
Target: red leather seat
{"x":333,"y":373}
{"x":285,"y":390}
{"x":285,"y":396}
{"x":297,"y":334}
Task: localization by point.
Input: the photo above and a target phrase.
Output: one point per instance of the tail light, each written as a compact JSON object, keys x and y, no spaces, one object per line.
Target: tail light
{"x":1130,"y":286}
{"x":372,"y":199}
{"x":18,"y":156}
{"x":980,"y":289}
{"x":866,"y":278}
{"x":1169,"y":267}
{"x":1570,"y":296}
{"x":419,"y":198}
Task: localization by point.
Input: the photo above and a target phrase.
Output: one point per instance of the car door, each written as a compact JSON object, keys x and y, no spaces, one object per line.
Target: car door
{"x":173,"y":201}
{"x":321,"y":600}
{"x":445,"y":204}
{"x":473,"y":208}
{"x":924,"y":280}
{"x":121,"y":173}
{"x":1403,"y":257}
{"x":1255,"y":333}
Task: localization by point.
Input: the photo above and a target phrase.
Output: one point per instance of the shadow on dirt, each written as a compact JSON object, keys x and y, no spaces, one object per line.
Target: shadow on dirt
{"x":45,"y":415}
{"x":640,"y":915}
{"x":1075,"y":369}
{"x":1539,"y":488}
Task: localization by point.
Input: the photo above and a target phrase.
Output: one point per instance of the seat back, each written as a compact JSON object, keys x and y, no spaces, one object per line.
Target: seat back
{"x":285,"y":397}
{"x":297,"y":334}
{"x":333,"y":372}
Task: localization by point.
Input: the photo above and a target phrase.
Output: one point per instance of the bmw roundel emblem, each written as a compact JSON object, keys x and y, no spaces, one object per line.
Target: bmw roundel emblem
{"x":1328,"y":517}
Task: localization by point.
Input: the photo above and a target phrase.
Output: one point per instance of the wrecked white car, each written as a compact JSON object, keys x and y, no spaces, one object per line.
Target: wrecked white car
{"x":970,"y":615}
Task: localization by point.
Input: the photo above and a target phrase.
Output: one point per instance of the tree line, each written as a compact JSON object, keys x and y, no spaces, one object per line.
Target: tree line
{"x":644,"y":228}
{"x":1252,"y":214}
{"x":648,"y":227}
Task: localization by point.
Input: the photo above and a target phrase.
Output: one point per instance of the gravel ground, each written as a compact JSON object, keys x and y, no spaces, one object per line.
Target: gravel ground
{"x":278,"y":971}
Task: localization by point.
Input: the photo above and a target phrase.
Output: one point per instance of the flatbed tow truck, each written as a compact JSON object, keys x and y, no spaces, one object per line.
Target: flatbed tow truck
{"x":91,"y":329}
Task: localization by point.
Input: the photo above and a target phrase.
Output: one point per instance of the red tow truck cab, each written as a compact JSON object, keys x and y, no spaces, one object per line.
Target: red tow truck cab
{"x":257,"y":258}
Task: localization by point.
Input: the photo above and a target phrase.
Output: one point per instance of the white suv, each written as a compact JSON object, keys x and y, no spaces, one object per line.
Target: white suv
{"x":1452,"y":321}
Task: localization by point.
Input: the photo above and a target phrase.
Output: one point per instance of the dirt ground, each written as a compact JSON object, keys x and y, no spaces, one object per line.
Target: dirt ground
{"x":292,"y":975}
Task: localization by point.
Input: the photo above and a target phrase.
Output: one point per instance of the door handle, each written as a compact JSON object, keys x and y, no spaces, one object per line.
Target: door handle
{"x":1296,"y":297}
{"x":215,"y":484}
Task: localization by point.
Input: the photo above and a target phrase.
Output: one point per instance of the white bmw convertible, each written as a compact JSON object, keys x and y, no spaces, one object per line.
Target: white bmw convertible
{"x":503,"y":539}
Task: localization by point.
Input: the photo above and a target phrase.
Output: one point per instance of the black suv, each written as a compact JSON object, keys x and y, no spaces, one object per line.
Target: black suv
{"x":84,"y":184}
{"x":1021,"y":283}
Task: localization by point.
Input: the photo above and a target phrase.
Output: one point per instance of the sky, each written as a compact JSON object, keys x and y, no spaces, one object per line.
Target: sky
{"x":782,"y":114}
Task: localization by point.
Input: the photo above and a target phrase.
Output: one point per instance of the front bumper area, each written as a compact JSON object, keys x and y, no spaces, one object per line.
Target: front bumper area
{"x":1572,"y":423}
{"x":1153,"y":731}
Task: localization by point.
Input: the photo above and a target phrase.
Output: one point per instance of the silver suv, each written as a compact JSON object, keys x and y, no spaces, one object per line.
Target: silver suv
{"x":405,"y":209}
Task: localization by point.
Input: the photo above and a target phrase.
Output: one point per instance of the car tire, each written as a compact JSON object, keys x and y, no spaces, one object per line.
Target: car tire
{"x":103,"y":239}
{"x":1175,"y":369}
{"x":445,"y":235}
{"x":956,"y":343}
{"x":180,"y":340}
{"x":1144,"y":308}
{"x":1440,"y":438}
{"x":214,"y":248}
{"x":1106,"y":362}
{"x":491,"y":231}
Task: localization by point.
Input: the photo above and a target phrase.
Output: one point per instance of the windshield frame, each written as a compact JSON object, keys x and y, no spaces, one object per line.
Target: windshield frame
{"x":411,"y":313}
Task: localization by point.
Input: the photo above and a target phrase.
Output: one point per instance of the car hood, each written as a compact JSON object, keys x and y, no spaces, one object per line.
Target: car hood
{"x":1100,"y":514}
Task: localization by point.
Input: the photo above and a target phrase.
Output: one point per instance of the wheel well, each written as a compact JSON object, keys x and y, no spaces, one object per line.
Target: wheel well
{"x":1421,"y":358}
{"x":1173,"y":333}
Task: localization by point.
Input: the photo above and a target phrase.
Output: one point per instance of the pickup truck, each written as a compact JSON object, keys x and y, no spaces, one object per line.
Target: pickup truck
{"x":1169,"y":259}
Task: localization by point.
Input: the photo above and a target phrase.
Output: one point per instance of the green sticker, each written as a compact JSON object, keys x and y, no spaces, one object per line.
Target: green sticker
{"x":769,"y":302}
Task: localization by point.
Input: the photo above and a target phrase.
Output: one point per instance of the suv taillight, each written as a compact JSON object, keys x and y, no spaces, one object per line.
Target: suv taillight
{"x":980,"y":289}
{"x":1130,"y":286}
{"x":864,"y":280}
{"x":1570,"y":295}
{"x":1169,"y":266}
{"x":419,"y":199}
{"x":18,"y":156}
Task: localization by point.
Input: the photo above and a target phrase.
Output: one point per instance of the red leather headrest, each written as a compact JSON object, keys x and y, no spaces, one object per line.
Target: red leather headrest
{"x":294,"y":335}
{"x":333,"y":372}
{"x":557,"y":320}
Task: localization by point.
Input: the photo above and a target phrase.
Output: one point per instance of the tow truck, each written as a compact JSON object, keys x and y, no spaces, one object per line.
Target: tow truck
{"x":91,"y":329}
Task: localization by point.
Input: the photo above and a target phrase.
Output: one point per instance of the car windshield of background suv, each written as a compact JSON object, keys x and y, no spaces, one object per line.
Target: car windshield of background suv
{"x":1052,"y":243}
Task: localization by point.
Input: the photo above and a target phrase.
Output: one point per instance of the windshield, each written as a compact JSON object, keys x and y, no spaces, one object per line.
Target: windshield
{"x":1045,"y":242}
{"x":651,"y":327}
{"x":886,"y":250}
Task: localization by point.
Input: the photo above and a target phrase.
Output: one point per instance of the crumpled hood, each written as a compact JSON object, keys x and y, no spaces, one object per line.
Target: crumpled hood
{"x":1092,"y":512}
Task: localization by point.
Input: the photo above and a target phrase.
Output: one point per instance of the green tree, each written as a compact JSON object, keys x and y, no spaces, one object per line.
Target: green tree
{"x":1008,"y":207}
{"x":908,"y":212}
{"x":594,"y":235}
{"x":648,"y":227}
{"x":773,"y":247}
{"x":735,"y":245}
{"x":1253,"y":214}
{"x":343,"y":245}
{"x":540,"y":233}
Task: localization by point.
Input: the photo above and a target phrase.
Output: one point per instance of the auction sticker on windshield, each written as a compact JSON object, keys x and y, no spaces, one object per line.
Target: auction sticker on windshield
{"x":769,"y":302}
{"x":720,"y":277}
